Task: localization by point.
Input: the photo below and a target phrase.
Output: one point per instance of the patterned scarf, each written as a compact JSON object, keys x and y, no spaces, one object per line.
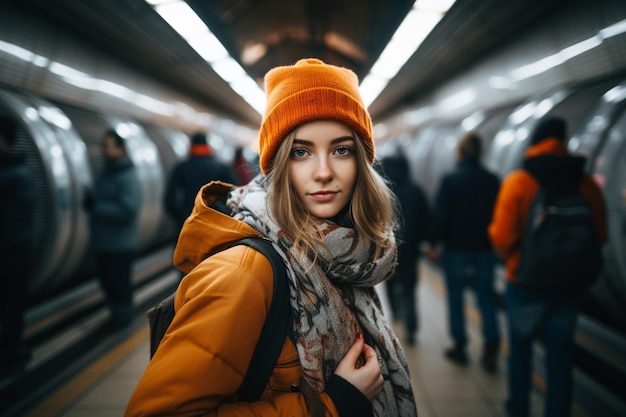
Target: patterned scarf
{"x":332,"y":301}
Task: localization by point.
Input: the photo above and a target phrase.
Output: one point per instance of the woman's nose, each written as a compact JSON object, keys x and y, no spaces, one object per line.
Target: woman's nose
{"x":323,"y":171}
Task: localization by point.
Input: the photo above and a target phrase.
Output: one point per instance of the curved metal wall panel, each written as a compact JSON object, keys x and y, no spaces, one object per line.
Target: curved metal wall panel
{"x":590,"y":140}
{"x":610,"y":169}
{"x":52,"y":219}
{"x":418,"y":151}
{"x":441,"y":158}
{"x":573,"y":104}
{"x":75,"y":154}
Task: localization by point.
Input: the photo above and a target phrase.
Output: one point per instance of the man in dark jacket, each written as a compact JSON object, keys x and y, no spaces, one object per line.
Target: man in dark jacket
{"x":16,"y":223}
{"x":413,"y":231}
{"x":190,"y":175}
{"x":546,"y":162}
{"x":114,"y":204}
{"x":463,"y":209}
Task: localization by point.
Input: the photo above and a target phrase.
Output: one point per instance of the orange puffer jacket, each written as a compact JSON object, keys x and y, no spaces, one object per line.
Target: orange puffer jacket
{"x":513,"y":205}
{"x":221,"y":306}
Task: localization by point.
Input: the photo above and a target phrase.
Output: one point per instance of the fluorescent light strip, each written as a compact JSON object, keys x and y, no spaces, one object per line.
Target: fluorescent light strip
{"x":418,"y":23}
{"x":184,"y":20}
{"x":415,"y":27}
{"x":568,"y":53}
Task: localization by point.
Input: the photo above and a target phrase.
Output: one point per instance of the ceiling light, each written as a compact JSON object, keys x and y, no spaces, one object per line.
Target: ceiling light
{"x":418,"y":23}
{"x":416,"y":26}
{"x":229,"y":69}
{"x":568,"y":53}
{"x":252,"y":53}
{"x":186,"y":22}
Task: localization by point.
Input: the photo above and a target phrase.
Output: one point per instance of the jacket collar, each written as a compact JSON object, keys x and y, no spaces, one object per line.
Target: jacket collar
{"x":547,"y":146}
{"x":207,"y":229}
{"x":552,"y":166}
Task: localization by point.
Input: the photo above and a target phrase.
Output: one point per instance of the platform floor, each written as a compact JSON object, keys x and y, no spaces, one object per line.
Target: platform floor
{"x":442,"y":389}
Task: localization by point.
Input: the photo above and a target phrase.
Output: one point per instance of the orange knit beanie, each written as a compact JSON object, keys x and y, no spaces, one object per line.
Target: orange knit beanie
{"x":310,"y":90}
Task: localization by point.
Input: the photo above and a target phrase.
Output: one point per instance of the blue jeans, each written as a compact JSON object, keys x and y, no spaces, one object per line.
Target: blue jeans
{"x":555,"y":317}
{"x":458,"y":267}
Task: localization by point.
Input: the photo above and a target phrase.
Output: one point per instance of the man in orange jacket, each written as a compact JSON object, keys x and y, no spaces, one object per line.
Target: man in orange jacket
{"x":527,"y":311}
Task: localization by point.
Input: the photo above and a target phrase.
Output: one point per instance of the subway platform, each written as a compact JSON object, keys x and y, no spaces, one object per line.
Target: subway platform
{"x":442,"y":389}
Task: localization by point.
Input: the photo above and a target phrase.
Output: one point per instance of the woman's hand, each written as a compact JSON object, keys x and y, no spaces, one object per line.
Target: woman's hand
{"x":360,"y":367}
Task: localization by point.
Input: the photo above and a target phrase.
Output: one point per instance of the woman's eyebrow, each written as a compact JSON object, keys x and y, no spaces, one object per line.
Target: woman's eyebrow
{"x":342,"y":139}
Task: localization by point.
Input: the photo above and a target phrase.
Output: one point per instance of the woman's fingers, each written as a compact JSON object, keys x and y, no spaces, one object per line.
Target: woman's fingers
{"x":361,"y":368}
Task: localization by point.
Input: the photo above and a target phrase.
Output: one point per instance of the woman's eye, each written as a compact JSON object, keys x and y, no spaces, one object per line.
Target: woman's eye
{"x":298,"y":153}
{"x":343,"y":150}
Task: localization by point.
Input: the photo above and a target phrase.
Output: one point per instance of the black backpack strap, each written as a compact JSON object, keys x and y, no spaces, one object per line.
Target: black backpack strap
{"x":274,"y":329}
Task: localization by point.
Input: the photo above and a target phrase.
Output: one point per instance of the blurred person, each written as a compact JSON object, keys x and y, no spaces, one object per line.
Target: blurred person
{"x":463,"y":209}
{"x":201,"y":167}
{"x":547,"y":162}
{"x":114,"y":204}
{"x":329,"y":214}
{"x":413,"y":230}
{"x":244,"y":172}
{"x":16,"y":238}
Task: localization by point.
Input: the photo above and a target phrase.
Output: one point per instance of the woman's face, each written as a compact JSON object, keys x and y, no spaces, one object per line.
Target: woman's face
{"x":323,"y":166}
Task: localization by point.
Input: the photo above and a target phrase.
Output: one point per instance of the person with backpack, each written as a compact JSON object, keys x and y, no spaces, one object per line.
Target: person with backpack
{"x":553,"y":309}
{"x":330,"y":216}
{"x":201,"y":167}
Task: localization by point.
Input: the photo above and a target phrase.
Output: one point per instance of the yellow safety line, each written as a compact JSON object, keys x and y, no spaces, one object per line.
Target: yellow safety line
{"x":67,"y":394}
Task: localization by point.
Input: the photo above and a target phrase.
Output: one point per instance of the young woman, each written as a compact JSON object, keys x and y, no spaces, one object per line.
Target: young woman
{"x":331,"y":217}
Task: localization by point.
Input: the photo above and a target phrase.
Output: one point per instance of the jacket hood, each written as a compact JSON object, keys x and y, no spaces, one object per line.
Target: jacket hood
{"x":550,"y":127}
{"x":208,"y":229}
{"x":200,"y":150}
{"x":553,"y":167}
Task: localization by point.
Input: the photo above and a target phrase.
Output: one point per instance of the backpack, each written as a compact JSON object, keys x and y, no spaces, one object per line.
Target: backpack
{"x":560,"y":250}
{"x":272,"y":336}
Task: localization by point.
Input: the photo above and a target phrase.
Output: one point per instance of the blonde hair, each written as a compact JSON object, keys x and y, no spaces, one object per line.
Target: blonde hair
{"x":373,"y":207}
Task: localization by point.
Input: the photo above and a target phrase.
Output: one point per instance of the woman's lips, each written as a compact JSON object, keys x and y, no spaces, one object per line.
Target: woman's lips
{"x":323,"y":196}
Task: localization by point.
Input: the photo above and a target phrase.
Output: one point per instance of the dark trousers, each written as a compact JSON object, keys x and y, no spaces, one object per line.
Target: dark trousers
{"x":458,"y":265}
{"x":114,"y":269}
{"x":401,"y":292}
